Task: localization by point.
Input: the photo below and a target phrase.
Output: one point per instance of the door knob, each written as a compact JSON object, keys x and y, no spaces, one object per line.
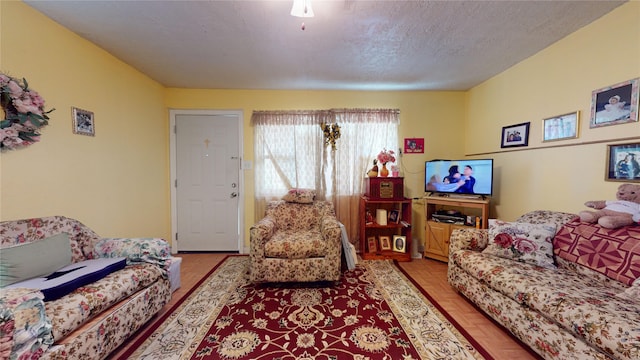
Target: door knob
{"x":234,"y":194}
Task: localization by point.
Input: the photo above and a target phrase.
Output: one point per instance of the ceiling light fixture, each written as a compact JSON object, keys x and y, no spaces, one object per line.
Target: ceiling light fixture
{"x":302,"y":8}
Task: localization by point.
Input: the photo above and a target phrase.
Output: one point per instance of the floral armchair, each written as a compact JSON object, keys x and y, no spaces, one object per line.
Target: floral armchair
{"x":296,"y":242}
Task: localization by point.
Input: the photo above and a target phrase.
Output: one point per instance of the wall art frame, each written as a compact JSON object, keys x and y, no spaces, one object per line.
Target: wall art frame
{"x":414,"y":145}
{"x":83,"y":122}
{"x":623,"y":162}
{"x":561,"y":127}
{"x":615,"y":104}
{"x":515,"y":135}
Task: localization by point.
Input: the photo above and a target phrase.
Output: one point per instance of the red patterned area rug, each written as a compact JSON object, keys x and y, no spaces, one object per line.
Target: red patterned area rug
{"x":373,"y":312}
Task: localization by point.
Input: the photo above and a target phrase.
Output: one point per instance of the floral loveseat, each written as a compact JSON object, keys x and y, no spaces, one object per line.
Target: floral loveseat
{"x":298,"y":240}
{"x":567,"y":289}
{"x":93,"y":320}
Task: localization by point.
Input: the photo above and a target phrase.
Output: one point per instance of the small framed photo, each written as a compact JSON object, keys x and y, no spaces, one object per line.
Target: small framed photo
{"x":394,"y":216}
{"x":515,"y":135}
{"x":399,"y":243}
{"x":414,"y":146}
{"x":616,"y":104}
{"x":83,"y":122}
{"x":372,"y":244}
{"x":385,"y":243}
{"x":623,"y":162}
{"x":561,"y":127}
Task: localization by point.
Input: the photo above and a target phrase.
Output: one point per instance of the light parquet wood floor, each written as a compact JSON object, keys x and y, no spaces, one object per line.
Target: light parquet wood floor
{"x":430,"y":274}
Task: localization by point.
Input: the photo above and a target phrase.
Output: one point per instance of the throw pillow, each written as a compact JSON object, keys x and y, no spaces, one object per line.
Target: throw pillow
{"x":137,"y":250}
{"x":38,"y":258}
{"x":302,"y":196}
{"x":524,"y":242}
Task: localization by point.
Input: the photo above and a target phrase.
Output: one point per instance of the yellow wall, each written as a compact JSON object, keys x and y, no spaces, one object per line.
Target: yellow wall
{"x":435,"y":116}
{"x":557,"y":80}
{"x":116,"y":182}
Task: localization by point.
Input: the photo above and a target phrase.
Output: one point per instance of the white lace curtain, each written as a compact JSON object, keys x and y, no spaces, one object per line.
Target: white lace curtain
{"x":290,"y":153}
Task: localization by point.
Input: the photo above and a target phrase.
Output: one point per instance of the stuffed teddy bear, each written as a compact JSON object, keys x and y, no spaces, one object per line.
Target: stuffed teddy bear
{"x":612,"y":214}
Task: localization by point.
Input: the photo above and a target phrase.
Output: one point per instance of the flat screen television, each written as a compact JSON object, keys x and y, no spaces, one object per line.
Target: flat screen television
{"x":470,"y":177}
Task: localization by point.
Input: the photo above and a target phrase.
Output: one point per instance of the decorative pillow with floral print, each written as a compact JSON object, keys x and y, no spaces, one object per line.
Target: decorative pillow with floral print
{"x":524,"y":242}
{"x":302,"y":196}
{"x":137,"y":250}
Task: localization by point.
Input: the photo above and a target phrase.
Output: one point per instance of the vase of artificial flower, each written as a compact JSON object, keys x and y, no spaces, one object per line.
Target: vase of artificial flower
{"x":384,"y":157}
{"x":384,"y":172}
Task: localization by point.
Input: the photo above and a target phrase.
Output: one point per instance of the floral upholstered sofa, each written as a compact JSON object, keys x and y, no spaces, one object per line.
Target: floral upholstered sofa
{"x":92,"y":320}
{"x":567,"y":289}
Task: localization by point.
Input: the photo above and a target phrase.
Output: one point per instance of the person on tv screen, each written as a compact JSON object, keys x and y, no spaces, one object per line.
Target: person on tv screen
{"x":450,"y":183}
{"x":469,"y":181}
{"x":453,"y":177}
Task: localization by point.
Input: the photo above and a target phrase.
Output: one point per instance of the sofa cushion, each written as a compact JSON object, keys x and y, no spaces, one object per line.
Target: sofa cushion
{"x":302,"y":196}
{"x":295,"y":245}
{"x":71,"y":311}
{"x":524,"y":242}
{"x":612,"y":252}
{"x":294,"y":216}
{"x":34,"y":259}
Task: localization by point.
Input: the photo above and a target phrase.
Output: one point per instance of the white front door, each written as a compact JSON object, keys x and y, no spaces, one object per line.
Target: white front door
{"x":207,"y":181}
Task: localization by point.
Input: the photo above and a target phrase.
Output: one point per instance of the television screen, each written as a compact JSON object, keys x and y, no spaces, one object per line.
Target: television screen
{"x":473,"y":177}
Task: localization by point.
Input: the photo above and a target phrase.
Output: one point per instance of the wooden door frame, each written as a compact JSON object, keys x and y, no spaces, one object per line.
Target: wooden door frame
{"x":173,"y":169}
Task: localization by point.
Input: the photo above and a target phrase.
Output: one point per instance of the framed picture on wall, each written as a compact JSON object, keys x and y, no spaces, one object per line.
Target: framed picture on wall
{"x":561,"y":127}
{"x":623,"y":162}
{"x":83,"y":122}
{"x":515,"y":135}
{"x":414,"y":145}
{"x":616,"y":104}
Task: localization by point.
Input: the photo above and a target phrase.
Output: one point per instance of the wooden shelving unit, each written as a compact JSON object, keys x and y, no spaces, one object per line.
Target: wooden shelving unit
{"x":373,"y":229}
{"x":438,"y":233}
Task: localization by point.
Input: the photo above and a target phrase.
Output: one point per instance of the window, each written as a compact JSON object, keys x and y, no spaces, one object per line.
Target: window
{"x":290,"y":153}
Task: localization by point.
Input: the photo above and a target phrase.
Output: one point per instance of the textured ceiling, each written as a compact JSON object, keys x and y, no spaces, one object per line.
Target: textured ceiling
{"x":349,"y":44}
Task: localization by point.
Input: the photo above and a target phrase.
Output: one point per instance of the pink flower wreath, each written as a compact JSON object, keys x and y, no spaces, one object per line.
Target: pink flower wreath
{"x":24,"y":113}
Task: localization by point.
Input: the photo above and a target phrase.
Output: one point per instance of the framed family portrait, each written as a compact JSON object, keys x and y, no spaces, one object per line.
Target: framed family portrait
{"x":561,"y":127}
{"x":623,"y":162}
{"x":394,"y":216}
{"x":616,"y":104}
{"x":372,"y":244}
{"x":83,"y":122}
{"x":399,"y":243}
{"x":414,"y":145}
{"x":385,"y":243}
{"x":515,"y":135}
